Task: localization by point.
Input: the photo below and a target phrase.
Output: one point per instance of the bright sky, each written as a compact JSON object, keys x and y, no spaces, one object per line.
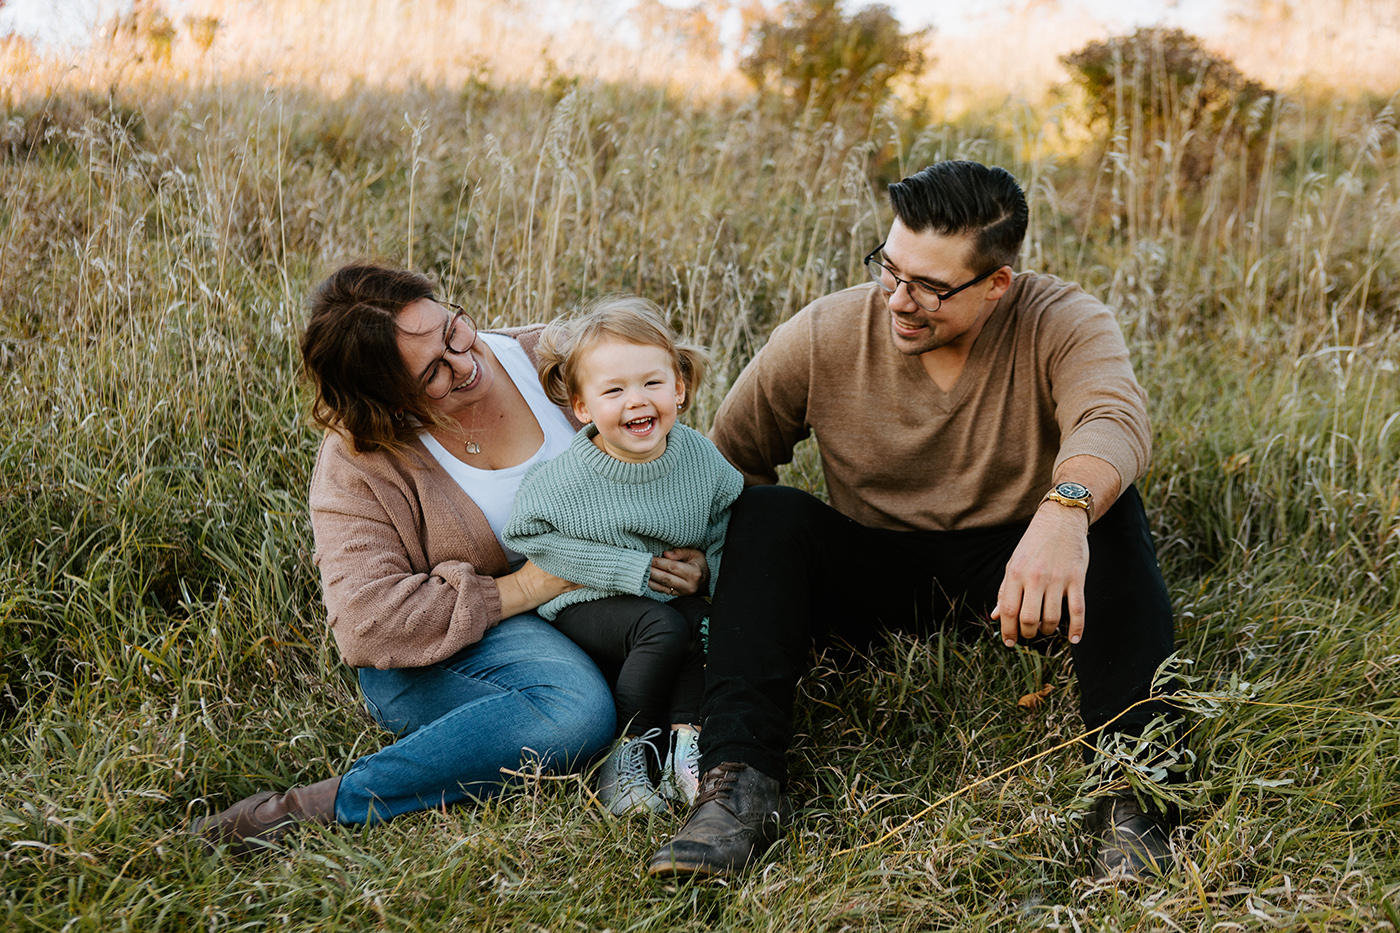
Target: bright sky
{"x":951,"y":18}
{"x":71,"y":21}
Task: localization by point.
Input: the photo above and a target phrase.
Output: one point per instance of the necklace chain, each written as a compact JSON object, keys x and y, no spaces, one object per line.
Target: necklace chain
{"x":472,"y":447}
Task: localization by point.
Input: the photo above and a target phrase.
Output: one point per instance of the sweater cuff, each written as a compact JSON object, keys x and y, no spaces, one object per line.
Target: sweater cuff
{"x":478,"y":596}
{"x":616,"y":570}
{"x":1109,"y":446}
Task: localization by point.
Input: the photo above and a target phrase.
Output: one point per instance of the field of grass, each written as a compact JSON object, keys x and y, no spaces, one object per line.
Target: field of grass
{"x":160,"y":623}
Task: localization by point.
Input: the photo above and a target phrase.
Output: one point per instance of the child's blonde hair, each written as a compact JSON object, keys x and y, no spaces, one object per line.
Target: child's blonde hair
{"x":628,"y":318}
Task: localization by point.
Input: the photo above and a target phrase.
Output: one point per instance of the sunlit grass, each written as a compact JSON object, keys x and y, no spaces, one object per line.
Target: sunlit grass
{"x":165,"y":646}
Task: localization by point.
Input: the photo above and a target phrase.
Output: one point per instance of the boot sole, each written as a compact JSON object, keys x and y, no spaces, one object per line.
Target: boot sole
{"x":680,"y":868}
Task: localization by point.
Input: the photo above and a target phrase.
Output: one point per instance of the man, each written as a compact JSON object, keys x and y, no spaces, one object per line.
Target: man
{"x":974,"y":423}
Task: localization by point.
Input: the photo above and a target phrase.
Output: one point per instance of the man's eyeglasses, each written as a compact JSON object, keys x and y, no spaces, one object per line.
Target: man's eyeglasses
{"x":458,"y":335}
{"x":921,"y":293}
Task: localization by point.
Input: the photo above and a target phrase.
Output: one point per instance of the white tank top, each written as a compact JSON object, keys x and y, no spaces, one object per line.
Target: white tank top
{"x":493,"y":491}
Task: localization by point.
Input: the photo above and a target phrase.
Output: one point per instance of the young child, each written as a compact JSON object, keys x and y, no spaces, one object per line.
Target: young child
{"x":633,"y":485}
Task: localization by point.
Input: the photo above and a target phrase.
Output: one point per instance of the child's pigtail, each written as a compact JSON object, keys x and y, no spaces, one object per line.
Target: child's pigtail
{"x":551,"y":353}
{"x":693,"y":362}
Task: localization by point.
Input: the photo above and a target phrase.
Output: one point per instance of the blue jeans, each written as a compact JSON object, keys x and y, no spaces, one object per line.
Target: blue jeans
{"x":523,"y":692}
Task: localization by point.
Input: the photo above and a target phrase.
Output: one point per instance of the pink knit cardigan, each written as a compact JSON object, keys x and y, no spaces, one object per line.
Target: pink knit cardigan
{"x":408,"y":561}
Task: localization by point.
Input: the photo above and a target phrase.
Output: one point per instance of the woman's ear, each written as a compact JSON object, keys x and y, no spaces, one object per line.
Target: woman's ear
{"x":580,"y":410}
{"x":680,"y":394}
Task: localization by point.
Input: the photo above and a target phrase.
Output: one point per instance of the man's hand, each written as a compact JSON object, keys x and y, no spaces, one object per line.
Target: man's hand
{"x":681,"y":571}
{"x":1047,"y":567}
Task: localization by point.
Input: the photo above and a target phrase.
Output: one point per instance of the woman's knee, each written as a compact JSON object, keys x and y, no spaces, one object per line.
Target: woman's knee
{"x":577,"y":732}
{"x":574,"y":709}
{"x":562,"y":702}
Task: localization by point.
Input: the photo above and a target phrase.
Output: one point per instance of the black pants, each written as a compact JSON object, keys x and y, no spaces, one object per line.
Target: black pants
{"x":796,"y":569}
{"x":650,"y":653}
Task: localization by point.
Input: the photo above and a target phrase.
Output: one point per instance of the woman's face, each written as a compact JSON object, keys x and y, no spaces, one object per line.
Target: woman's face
{"x":424,"y":331}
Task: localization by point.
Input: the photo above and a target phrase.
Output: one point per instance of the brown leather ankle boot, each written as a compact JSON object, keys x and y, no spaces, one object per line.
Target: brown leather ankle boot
{"x":1134,"y":841}
{"x":265,"y":817}
{"x":740,"y":813}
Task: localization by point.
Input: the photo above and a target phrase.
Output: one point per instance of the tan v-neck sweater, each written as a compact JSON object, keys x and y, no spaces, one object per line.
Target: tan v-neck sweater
{"x":407,"y":559}
{"x":1048,"y":378}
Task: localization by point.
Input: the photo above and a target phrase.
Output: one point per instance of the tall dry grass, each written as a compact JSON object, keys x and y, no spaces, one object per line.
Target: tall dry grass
{"x":160,"y":620}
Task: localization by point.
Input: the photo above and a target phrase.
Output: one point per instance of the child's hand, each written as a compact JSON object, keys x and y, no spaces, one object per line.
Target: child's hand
{"x":681,"y":571}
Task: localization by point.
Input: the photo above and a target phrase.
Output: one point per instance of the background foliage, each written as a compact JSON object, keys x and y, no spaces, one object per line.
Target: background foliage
{"x":164,"y":644}
{"x":818,"y":54}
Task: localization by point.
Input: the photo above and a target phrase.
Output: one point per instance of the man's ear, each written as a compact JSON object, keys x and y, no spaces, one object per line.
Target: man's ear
{"x":1000,"y":282}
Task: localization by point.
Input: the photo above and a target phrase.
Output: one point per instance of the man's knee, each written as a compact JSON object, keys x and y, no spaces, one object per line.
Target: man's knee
{"x":779,"y":513}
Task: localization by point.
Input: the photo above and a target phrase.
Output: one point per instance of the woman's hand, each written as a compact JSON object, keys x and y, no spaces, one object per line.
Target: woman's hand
{"x":529,"y":588}
{"x":681,"y":571}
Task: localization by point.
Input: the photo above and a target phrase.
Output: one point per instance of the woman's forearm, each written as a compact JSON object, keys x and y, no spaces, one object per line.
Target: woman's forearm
{"x":529,"y":588}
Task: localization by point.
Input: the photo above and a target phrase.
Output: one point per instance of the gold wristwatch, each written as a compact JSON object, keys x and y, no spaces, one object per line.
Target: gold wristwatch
{"x":1073,"y":495}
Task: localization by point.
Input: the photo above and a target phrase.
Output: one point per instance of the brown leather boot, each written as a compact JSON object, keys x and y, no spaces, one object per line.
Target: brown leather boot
{"x":265,"y":817}
{"x":1133,"y":841}
{"x":737,"y":816}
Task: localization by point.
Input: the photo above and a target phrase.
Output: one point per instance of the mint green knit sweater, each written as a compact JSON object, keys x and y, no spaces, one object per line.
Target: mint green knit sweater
{"x":587,"y":517}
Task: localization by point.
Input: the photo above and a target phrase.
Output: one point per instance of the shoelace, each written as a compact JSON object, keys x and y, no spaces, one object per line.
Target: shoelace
{"x":718,"y":786}
{"x":684,"y":748}
{"x":634,"y":768}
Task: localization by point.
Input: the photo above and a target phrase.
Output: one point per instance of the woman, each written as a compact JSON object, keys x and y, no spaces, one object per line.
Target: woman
{"x":430,"y":426}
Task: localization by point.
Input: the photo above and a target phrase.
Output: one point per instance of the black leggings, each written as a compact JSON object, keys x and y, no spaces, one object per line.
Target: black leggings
{"x":795,"y":569}
{"x":650,"y":653}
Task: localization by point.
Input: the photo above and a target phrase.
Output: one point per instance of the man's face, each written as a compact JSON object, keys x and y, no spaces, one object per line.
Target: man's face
{"x":941,"y":262}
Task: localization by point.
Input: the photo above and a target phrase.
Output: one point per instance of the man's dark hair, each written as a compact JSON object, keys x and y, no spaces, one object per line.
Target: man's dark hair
{"x":957,"y":198}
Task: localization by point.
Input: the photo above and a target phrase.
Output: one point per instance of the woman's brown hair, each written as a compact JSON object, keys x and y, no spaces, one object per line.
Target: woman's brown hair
{"x":351,"y":355}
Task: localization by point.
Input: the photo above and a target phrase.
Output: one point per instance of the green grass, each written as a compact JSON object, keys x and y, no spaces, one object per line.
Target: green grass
{"x":164,"y":644}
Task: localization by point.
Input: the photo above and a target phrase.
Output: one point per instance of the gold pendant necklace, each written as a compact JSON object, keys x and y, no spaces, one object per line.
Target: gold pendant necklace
{"x":472,"y":447}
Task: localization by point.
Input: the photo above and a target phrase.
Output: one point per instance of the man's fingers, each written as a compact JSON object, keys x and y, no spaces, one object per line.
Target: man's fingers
{"x":1030,"y":620}
{"x":1033,"y":610}
{"x":1049,"y":620}
{"x":1008,"y":611}
{"x":1076,"y":615}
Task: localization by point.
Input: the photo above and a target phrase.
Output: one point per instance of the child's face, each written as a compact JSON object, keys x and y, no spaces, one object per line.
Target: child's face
{"x":631,"y":392}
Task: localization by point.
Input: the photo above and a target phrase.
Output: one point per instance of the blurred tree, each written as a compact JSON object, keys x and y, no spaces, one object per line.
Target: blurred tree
{"x":821,"y":56}
{"x":687,"y":27}
{"x":1175,"y":91}
{"x":203,"y":30}
{"x":146,"y":30}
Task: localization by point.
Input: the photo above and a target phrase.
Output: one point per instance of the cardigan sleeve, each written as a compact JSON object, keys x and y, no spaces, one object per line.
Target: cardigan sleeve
{"x":387,"y":604}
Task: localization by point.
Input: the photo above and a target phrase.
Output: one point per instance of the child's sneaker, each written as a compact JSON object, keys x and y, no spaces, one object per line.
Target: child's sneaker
{"x":624,"y":780}
{"x":680,"y":778}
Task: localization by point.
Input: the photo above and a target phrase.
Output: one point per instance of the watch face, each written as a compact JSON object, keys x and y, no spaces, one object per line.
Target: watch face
{"x":1072,"y":491}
